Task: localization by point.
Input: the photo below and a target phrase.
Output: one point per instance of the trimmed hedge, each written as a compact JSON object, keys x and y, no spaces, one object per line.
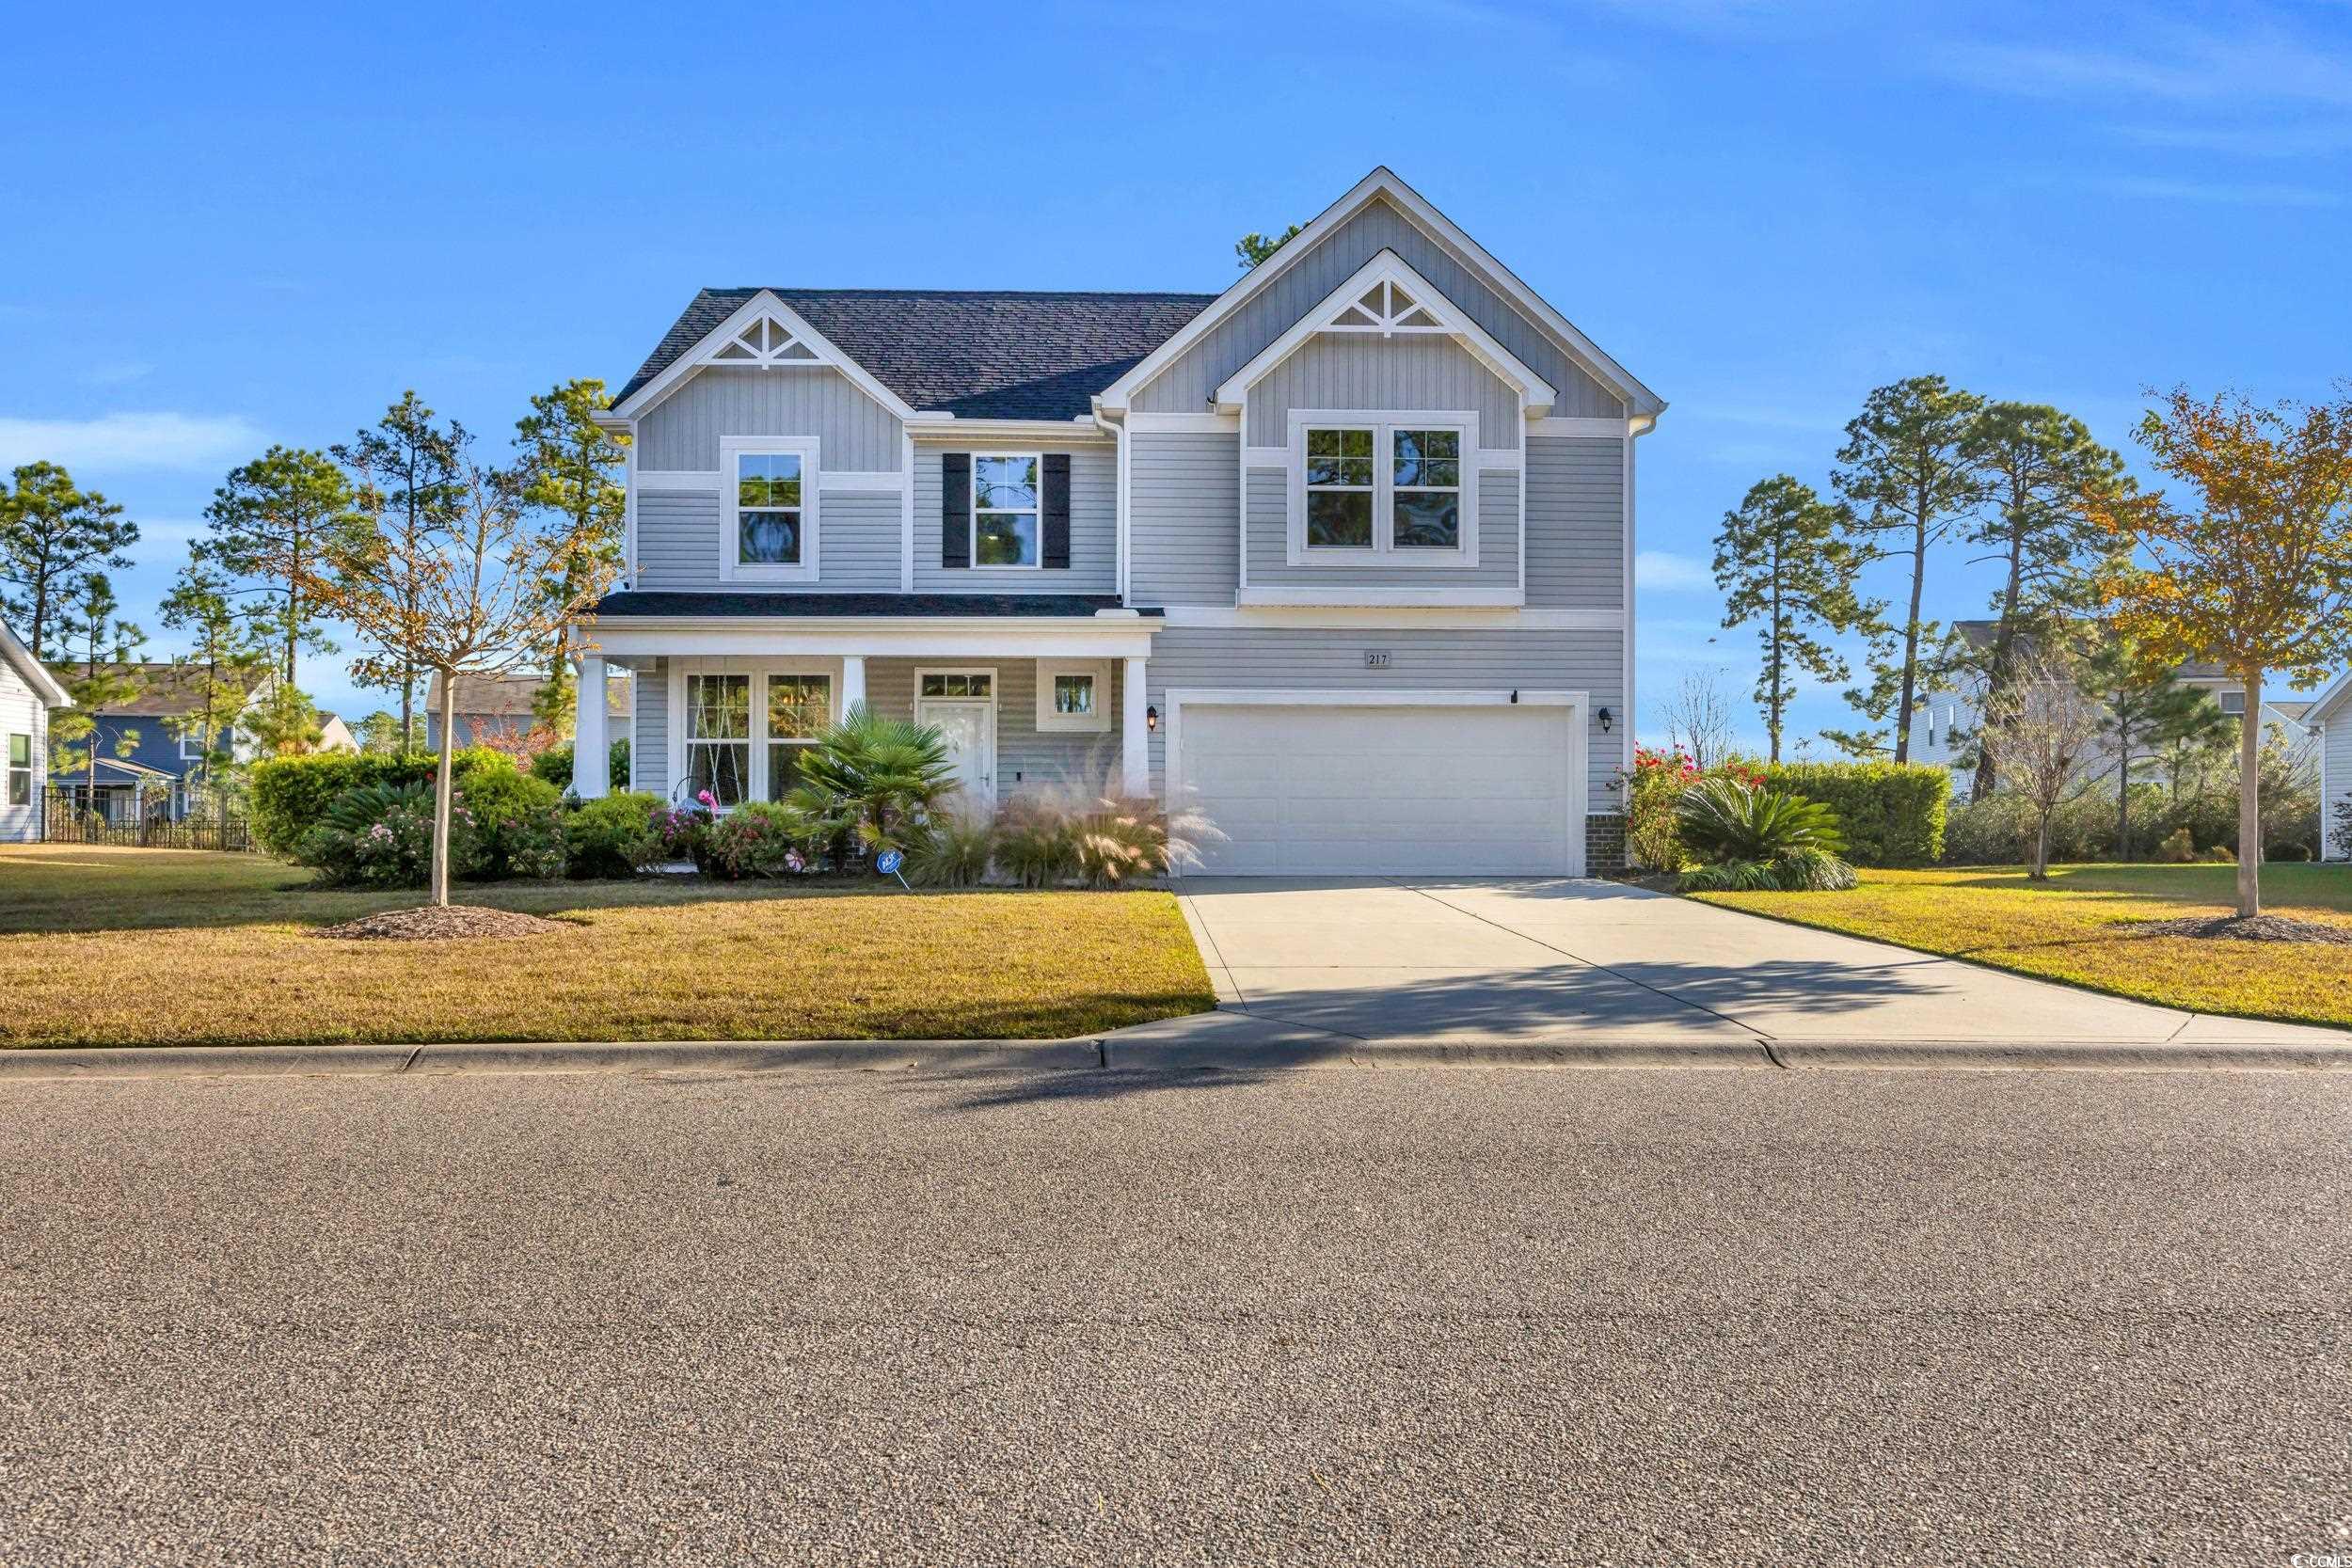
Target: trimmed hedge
{"x":555,"y":765}
{"x":289,"y":796}
{"x":1889,"y":816}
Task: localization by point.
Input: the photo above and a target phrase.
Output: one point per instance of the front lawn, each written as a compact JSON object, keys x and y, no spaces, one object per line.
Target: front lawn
{"x":104,"y":946}
{"x":2078,"y":927}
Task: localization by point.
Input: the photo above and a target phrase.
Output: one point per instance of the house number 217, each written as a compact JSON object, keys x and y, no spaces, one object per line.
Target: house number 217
{"x":1376,"y":659}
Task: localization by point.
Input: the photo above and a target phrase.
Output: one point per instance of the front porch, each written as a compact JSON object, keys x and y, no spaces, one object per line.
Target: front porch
{"x":729,"y":709}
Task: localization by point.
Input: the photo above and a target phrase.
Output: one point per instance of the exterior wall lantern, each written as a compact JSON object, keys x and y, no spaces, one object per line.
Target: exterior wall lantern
{"x":1608,"y":721}
{"x":1151,"y":719}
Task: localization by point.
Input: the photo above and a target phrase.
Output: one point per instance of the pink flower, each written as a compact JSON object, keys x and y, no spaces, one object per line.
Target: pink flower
{"x":705,"y":797}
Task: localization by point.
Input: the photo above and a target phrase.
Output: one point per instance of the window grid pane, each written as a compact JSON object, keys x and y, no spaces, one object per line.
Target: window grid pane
{"x":719,"y":708}
{"x":799,"y":707}
{"x":1073,"y":695}
{"x":1339,"y":487}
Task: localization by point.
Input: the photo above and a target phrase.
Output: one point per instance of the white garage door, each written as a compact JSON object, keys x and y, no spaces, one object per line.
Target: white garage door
{"x":1380,"y":791}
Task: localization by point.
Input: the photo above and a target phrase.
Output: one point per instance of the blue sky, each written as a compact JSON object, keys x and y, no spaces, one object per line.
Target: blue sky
{"x":261,"y":224}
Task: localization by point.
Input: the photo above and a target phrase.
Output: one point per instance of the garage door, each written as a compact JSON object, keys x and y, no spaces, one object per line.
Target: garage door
{"x":1375,"y":791}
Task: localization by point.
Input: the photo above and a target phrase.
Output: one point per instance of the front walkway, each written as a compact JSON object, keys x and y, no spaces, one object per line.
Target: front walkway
{"x":1561,"y":961}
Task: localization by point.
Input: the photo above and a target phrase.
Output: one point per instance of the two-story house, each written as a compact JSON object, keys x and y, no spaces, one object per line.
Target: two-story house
{"x":1340,"y":558}
{"x":150,"y":757}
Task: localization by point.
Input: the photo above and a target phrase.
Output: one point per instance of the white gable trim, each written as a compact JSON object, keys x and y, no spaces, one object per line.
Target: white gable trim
{"x":35,"y":674}
{"x":1383,"y":183}
{"x":2317,"y":713}
{"x":1536,"y":394}
{"x":746,"y":316}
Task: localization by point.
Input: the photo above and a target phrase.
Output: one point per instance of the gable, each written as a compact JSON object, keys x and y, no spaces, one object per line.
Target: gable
{"x":1188,"y":382}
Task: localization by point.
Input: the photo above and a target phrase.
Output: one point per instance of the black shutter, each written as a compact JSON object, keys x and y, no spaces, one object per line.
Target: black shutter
{"x":1057,"y":510}
{"x":954,"y":509}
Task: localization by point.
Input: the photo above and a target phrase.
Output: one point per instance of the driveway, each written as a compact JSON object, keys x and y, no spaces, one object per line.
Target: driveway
{"x":1535,"y":960}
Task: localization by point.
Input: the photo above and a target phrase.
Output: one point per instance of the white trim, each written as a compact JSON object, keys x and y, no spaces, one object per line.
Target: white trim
{"x":1388,"y":271}
{"x":1605,"y":430}
{"x":858,"y":480}
{"x":628,"y":495}
{"x":1381,"y":183}
{"x":764,"y":303}
{"x":201,"y":751}
{"x":875,"y":638}
{"x":759,"y":668}
{"x":710,"y":480}
{"x":1195,"y":424}
{"x":1384,"y":424}
{"x":2317,"y":713}
{"x":1626,"y":592}
{"x":44,"y":686}
{"x":972,"y":510}
{"x":906,"y":513}
{"x":662,"y":480}
{"x":1457,"y":599}
{"x":1051,"y":723}
{"x":988,"y":777}
{"x":1014,"y":433}
{"x":1135,"y":733}
{"x":732,"y":449}
{"x":1579,"y":770}
{"x":1399,"y":617}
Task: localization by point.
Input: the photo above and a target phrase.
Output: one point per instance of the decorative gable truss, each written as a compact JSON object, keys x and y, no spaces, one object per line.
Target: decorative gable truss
{"x":764,"y":342}
{"x":1388,"y":298}
{"x":763,"y":333}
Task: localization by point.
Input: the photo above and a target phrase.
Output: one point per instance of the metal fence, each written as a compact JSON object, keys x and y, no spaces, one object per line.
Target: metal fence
{"x":147,"y":817}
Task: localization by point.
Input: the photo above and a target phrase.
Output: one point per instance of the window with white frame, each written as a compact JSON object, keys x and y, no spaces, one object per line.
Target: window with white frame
{"x":799,"y":709}
{"x":1074,"y":696}
{"x":20,"y":769}
{"x":769,"y":496}
{"x":2234,"y":703}
{"x":958,"y":683}
{"x":1397,"y":486}
{"x":192,"y":745}
{"x":1006,"y":509}
{"x":719,"y":737}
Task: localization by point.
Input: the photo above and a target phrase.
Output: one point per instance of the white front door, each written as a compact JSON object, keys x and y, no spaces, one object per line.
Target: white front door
{"x":970,"y":728}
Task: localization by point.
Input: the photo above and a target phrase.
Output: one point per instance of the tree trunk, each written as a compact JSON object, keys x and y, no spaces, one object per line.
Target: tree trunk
{"x":2249,"y":807}
{"x":441,"y":791}
{"x":1911,"y":641}
{"x":2042,"y":849}
{"x":2123,"y":790}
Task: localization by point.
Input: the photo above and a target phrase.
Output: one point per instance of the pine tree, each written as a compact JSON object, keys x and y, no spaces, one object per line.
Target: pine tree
{"x":408,"y":487}
{"x":2145,"y":708}
{"x":51,"y":533}
{"x":291,"y":505}
{"x":223,"y":661}
{"x":96,"y":680}
{"x":567,"y":464}
{"x":1784,"y":562}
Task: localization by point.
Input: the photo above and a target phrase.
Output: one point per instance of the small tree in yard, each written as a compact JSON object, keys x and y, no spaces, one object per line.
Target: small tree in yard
{"x":2258,"y":575}
{"x":463,"y":589}
{"x":1699,"y":719}
{"x":2041,"y":732}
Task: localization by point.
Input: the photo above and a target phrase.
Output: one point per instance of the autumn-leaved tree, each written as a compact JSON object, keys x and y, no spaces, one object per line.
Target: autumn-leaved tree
{"x":2035,"y":465}
{"x":2252,"y":570}
{"x":52,"y":531}
{"x":1909,"y":471}
{"x":1785,"y":564}
{"x":566,"y":463}
{"x":462,"y":592}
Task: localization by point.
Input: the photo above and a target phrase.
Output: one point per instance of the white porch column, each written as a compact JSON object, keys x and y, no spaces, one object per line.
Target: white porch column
{"x":591,"y":749}
{"x":853,"y":680}
{"x":1135,"y":745}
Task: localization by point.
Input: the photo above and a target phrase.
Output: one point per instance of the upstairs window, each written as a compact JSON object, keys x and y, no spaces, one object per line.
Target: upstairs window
{"x":2234,"y":703}
{"x":1339,"y":488}
{"x":1394,"y":485}
{"x":769,"y":529}
{"x":1425,"y":489}
{"x":1005,"y":509}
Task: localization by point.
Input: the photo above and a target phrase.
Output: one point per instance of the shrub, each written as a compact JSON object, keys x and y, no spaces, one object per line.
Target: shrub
{"x":1653,"y":838}
{"x":1889,"y":816}
{"x":381,"y":835}
{"x":1117,"y":841}
{"x":289,"y":796}
{"x":872,"y":781}
{"x":1036,"y":841}
{"x":517,"y":822}
{"x":555,"y":765}
{"x":1799,"y":871}
{"x":761,"y":838}
{"x":683,"y":832}
{"x":951,"y":851}
{"x":1724,"y":821}
{"x":613,"y":836}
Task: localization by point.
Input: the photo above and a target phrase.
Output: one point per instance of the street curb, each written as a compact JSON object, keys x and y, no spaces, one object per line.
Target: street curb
{"x":1335,"y":1051}
{"x":264,"y":1061}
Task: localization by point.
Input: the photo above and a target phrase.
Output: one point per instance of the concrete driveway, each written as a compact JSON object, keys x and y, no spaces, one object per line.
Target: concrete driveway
{"x":1556,"y":961}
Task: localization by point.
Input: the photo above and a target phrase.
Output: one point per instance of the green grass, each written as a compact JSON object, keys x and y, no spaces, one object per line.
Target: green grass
{"x":2078,"y":928}
{"x":104,"y":946}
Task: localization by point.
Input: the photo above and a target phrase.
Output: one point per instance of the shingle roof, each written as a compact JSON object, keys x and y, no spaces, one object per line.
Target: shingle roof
{"x":975,"y":355}
{"x":632,"y":602}
{"x":167,"y":690}
{"x":510,"y":696}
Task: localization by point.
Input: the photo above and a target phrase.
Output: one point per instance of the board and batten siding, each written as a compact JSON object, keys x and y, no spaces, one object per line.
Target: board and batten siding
{"x":854,"y":433}
{"x":1183,"y":524}
{"x":858,"y":541}
{"x":1497,"y":544}
{"x":1093,"y":525}
{"x":1358,"y":371}
{"x":2336,"y":749}
{"x":1574,"y":523}
{"x":22,"y":713}
{"x":1431,"y":659}
{"x":1187,"y":384}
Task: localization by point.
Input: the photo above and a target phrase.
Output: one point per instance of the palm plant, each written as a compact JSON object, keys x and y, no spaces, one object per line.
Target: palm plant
{"x":873,"y":779}
{"x":1757,"y":839}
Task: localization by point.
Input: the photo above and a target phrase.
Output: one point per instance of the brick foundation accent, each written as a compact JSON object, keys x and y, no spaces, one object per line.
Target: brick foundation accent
{"x":1604,"y":846}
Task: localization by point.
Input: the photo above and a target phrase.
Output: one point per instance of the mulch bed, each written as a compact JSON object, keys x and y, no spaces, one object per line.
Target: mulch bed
{"x":430,"y":925}
{"x":2230,"y":927}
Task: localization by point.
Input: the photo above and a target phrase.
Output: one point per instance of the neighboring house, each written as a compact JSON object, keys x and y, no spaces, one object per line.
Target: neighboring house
{"x":1339,"y":556}
{"x":159,"y":764}
{"x":1942,"y":734}
{"x":2330,"y":722}
{"x":496,"y":710}
{"x":27,"y":692}
{"x":335,"y":736}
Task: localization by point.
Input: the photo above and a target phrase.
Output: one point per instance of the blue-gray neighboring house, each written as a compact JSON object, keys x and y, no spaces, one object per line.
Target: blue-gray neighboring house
{"x":142,"y":753}
{"x":498,"y":710}
{"x":1340,"y":558}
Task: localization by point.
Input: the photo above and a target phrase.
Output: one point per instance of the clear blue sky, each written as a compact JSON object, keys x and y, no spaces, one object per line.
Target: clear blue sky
{"x":253,"y":224}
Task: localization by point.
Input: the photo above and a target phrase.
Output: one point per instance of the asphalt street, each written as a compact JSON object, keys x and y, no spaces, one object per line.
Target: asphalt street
{"x":1392,"y":1315}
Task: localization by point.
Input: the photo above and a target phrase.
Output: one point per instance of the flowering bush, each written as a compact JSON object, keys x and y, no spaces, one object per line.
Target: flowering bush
{"x":1653,"y":837}
{"x":518,"y":822}
{"x":613,"y":836}
{"x":682,"y":833}
{"x":761,"y":838}
{"x":381,"y":835}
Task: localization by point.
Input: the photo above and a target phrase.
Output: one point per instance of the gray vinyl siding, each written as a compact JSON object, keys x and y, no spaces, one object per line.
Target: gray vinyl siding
{"x":1184,"y":528}
{"x":1186,"y":384}
{"x":22,"y":713}
{"x":1358,"y":371}
{"x":1026,"y":759}
{"x":1497,"y":544}
{"x":858,"y":537}
{"x":854,"y":433}
{"x":1093,"y":527}
{"x":2336,"y":749}
{"x":1574,"y":523}
{"x":1431,"y":659}
{"x":649,"y":737}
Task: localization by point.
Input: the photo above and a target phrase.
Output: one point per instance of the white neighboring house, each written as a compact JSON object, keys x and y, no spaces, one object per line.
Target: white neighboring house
{"x":27,"y":692}
{"x":2330,"y":722}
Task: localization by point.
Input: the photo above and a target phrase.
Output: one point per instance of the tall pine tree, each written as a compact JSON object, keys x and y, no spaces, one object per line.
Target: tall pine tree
{"x":567,"y":464}
{"x":1785,"y":564}
{"x":51,"y":532}
{"x":408,"y":481}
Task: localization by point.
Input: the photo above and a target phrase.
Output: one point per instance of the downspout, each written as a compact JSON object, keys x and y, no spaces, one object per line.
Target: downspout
{"x":1117,"y":429}
{"x":1636,"y":426}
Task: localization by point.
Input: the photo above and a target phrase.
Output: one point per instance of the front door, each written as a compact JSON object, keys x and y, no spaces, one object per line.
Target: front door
{"x":970,"y":728}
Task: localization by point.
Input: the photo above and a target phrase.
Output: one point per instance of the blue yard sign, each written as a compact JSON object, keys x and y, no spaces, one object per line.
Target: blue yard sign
{"x":887,"y":864}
